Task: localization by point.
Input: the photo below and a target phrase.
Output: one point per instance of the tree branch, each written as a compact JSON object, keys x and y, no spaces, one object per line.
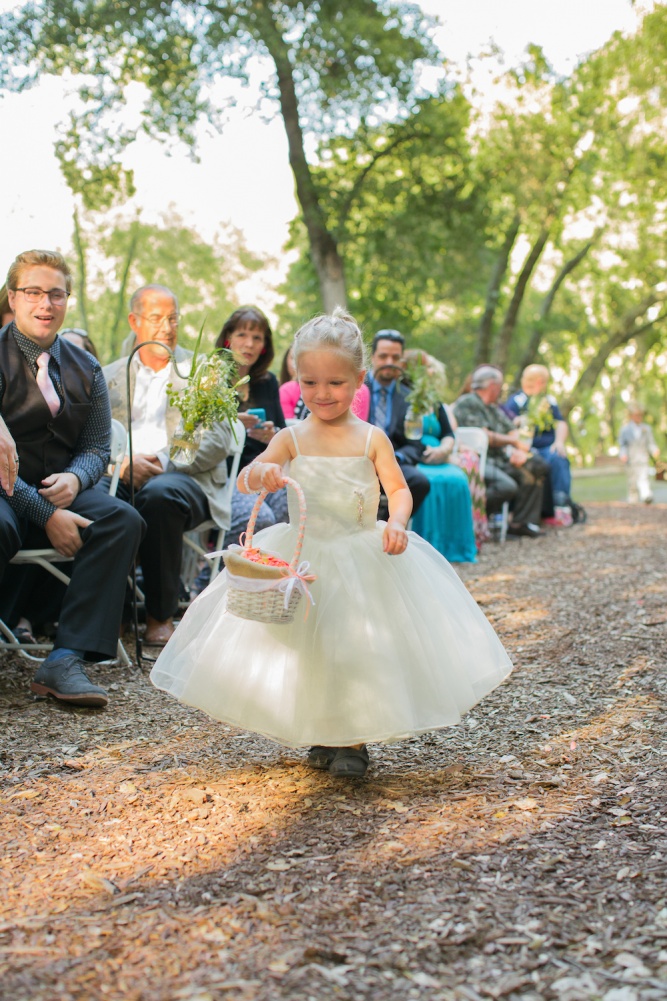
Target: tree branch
{"x":484,"y":333}
{"x":358,"y":184}
{"x":509,"y":323}
{"x":530,"y":353}
{"x":625,"y":331}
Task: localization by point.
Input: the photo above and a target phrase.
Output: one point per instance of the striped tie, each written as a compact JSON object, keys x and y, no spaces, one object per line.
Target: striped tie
{"x":381,"y":409}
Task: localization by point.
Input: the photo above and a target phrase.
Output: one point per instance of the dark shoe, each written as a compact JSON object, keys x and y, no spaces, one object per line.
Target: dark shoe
{"x":158,"y":633}
{"x":320,"y":756}
{"x":528,"y":531}
{"x":349,"y":762}
{"x":66,"y":680}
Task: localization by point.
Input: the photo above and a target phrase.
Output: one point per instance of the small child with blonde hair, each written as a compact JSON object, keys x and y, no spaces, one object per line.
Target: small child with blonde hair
{"x":637,"y":446}
{"x":394,"y":644}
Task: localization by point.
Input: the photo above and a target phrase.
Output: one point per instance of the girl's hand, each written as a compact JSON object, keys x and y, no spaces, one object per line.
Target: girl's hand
{"x":394,"y":538}
{"x":271,"y":476}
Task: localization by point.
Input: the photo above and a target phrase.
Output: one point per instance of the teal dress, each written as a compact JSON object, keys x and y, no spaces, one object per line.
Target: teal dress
{"x":445,"y":517}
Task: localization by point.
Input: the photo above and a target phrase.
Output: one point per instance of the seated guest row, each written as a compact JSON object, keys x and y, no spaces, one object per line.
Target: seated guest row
{"x":56,"y":403}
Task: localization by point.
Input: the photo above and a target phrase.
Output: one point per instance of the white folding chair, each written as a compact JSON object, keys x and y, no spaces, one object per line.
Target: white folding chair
{"x":195,"y":541}
{"x":477,"y":440}
{"x":46,"y":558}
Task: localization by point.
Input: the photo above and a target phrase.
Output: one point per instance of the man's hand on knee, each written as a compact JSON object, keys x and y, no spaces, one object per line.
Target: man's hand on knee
{"x":62,"y":528}
{"x":519,"y":458}
{"x":60,"y":488}
{"x":144,"y":468}
{"x":8,"y":465}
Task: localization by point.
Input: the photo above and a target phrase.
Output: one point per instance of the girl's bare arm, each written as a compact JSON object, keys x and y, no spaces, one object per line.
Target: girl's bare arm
{"x":266,"y":471}
{"x":395,"y":538}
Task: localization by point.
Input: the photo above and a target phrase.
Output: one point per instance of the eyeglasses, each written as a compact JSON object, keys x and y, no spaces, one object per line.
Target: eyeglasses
{"x":157,"y":321}
{"x":56,"y":296}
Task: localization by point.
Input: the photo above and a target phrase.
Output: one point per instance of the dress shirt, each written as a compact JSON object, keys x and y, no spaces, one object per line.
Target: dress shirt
{"x":91,"y":458}
{"x":149,"y":411}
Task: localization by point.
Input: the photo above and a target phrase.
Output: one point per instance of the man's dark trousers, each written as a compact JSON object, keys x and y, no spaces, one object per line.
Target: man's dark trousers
{"x":92,"y":606}
{"x":522,"y":486}
{"x":170,"y":504}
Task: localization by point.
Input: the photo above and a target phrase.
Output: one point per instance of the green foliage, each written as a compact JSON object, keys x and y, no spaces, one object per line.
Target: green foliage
{"x":130,"y":255}
{"x":426,"y":390}
{"x":579,"y":163}
{"x":210,"y":395}
{"x":539,"y":415}
{"x":332,"y":66}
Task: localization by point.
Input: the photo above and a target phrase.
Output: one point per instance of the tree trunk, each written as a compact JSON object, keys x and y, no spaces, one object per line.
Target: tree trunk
{"x":530,"y":354}
{"x":323,"y":247}
{"x":501,"y":353}
{"x":484,"y":335}
{"x":117,"y":335}
{"x":626,"y":330}
{"x":81,"y":298}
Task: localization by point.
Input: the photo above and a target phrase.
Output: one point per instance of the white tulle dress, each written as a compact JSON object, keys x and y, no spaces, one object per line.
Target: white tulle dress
{"x":393,"y":646}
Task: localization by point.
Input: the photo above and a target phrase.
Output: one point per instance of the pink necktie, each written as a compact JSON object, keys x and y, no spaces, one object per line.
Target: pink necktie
{"x":47,"y":389}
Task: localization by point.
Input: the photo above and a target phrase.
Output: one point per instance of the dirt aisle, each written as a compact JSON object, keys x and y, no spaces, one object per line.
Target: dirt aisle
{"x":151,"y":854}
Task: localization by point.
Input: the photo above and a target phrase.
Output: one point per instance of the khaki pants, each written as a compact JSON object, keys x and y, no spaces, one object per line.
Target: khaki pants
{"x":639,"y":486}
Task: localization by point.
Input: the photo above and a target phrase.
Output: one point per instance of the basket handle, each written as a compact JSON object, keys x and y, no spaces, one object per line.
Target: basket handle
{"x":289,"y":482}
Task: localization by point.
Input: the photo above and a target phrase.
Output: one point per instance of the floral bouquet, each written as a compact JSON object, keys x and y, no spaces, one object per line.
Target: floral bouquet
{"x":539,"y":414}
{"x":208,"y":397}
{"x":426,"y":392}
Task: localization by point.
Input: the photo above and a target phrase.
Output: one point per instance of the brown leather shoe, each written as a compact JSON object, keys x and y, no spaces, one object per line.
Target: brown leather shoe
{"x":158,"y":633}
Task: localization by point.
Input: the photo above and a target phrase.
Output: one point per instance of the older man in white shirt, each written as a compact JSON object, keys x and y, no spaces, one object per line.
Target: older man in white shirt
{"x":172,"y":497}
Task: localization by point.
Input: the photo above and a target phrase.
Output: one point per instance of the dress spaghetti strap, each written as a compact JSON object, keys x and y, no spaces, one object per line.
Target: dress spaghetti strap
{"x":296,"y":444}
{"x":371,"y":428}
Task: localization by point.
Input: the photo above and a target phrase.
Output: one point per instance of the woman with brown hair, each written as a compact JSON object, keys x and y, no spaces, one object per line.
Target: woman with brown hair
{"x":247,"y":334}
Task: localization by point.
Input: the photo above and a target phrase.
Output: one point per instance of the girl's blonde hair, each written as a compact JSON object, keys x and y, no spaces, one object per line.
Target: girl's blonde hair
{"x":338,"y":332}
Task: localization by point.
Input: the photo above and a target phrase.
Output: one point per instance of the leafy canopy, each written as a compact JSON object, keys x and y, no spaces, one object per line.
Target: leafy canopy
{"x":345,"y":60}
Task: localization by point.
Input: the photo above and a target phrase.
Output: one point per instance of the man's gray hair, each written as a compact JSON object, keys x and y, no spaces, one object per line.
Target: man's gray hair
{"x":484,"y":375}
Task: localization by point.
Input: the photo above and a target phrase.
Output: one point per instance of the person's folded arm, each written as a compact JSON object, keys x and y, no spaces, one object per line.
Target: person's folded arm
{"x":27,"y":503}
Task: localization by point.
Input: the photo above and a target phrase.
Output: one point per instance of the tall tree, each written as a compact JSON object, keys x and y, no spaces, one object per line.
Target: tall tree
{"x":328,"y":66}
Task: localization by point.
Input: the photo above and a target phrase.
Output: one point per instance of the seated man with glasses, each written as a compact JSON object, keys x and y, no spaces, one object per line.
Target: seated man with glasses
{"x":54,"y":404}
{"x":172,"y":497}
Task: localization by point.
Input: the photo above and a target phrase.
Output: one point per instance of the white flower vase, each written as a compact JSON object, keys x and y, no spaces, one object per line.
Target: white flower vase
{"x":185,"y":444}
{"x":413,"y":425}
{"x":526,"y":430}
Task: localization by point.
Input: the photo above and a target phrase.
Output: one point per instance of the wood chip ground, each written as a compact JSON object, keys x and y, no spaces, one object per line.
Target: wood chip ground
{"x":151,"y":854}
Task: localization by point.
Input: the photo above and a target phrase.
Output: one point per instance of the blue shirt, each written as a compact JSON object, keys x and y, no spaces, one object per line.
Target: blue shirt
{"x":375,"y":395}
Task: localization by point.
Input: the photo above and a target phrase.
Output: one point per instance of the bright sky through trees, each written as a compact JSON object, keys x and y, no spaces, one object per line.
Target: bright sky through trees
{"x":243,"y":176}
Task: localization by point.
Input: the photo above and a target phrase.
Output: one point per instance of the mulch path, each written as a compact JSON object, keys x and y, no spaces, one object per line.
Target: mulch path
{"x":151,"y":854}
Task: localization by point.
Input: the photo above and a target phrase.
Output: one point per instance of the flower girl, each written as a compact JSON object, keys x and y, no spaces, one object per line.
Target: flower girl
{"x":394,"y":645}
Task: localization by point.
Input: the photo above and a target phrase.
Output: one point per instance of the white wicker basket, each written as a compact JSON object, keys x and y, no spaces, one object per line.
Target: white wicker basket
{"x":267,"y":593}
